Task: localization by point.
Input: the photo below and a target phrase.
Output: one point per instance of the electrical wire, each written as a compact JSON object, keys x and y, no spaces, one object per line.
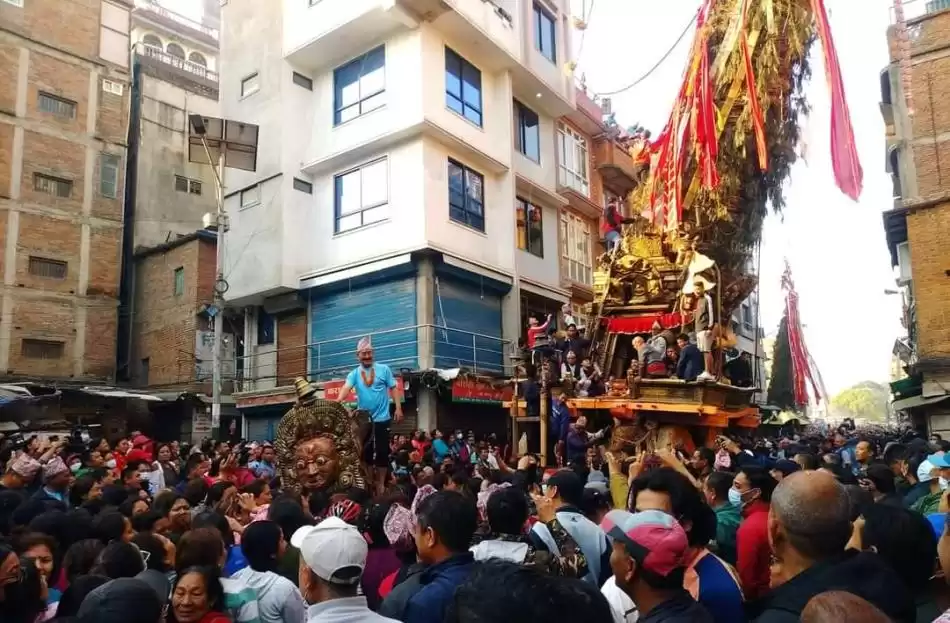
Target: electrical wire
{"x":655,"y":66}
{"x":586,"y":18}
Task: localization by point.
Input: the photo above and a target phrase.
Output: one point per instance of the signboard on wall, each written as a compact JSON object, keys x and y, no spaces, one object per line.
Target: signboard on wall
{"x":204,"y":356}
{"x":481,"y":392}
{"x":331,"y":391}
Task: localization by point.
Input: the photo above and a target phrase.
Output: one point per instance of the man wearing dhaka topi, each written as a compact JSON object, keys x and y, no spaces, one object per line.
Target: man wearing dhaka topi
{"x":373,"y":383}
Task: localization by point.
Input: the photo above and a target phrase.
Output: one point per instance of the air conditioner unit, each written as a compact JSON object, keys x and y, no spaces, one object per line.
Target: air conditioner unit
{"x":903,"y":263}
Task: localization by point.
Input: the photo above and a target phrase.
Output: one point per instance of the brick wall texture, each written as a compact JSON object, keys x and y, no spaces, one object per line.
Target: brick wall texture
{"x":164,"y":323}
{"x":51,"y":48}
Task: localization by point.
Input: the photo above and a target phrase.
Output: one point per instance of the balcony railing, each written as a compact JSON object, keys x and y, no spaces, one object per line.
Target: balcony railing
{"x":153,"y":52}
{"x":153,"y":6}
{"x":400,"y":348}
{"x":918,"y":8}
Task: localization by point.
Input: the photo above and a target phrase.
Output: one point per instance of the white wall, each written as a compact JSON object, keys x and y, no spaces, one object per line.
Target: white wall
{"x":495,"y":247}
{"x":254,"y":250}
{"x":403,"y":107}
{"x":494,"y":137}
{"x":544,"y":269}
{"x":507,"y":36}
{"x":304,"y":23}
{"x":310,"y":242}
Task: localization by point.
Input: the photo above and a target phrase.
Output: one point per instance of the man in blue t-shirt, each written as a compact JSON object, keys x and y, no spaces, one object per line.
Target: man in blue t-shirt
{"x":373,"y":383}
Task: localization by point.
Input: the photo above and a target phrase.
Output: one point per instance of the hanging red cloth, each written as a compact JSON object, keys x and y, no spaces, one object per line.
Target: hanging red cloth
{"x":844,"y":154}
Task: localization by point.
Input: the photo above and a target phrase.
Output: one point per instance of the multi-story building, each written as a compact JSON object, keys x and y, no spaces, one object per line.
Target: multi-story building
{"x":749,"y":339}
{"x":174,"y":74}
{"x":917,"y":118}
{"x":410,"y":181}
{"x":64,"y":99}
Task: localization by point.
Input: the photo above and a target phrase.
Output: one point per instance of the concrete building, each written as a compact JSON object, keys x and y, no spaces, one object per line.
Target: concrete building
{"x":746,"y":324}
{"x":410,"y":182}
{"x":64,"y":99}
{"x":175,"y":59}
{"x":917,"y":118}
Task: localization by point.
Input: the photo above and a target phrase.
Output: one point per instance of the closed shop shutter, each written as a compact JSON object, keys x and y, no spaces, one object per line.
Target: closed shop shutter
{"x":262,"y":428}
{"x":471,"y":315}
{"x":338,"y":320}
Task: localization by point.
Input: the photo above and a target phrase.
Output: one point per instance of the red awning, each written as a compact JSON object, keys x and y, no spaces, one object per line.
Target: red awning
{"x":643,"y":324}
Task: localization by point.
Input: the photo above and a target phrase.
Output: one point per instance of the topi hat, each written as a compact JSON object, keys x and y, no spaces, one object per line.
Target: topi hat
{"x":304,"y":388}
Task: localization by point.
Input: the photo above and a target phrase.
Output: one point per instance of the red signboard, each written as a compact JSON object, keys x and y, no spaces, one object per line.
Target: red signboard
{"x":331,"y":391}
{"x":469,"y":390}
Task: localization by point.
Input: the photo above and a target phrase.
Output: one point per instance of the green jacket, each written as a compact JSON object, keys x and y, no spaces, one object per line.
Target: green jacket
{"x":928,"y":504}
{"x":728,"y":518}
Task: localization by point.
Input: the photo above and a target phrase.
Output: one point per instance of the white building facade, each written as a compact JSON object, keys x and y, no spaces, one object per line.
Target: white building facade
{"x":396,"y":139}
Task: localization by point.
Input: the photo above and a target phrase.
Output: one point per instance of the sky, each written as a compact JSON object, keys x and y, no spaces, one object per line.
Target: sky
{"x":834,"y":245}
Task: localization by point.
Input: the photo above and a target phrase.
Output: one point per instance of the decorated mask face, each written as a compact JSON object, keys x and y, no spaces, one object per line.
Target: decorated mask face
{"x":317,"y":463}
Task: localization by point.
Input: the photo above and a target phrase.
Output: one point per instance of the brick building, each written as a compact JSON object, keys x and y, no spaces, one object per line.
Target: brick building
{"x":63,"y":124}
{"x":918,"y":159}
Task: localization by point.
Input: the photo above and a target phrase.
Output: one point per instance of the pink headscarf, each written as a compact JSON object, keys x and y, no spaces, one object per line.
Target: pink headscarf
{"x":400,"y":521}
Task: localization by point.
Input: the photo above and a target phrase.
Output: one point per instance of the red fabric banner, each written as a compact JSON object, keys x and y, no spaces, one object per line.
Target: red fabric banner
{"x":643,"y":324}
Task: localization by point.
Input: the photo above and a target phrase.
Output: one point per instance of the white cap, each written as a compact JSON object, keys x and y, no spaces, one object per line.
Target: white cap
{"x":331,"y":546}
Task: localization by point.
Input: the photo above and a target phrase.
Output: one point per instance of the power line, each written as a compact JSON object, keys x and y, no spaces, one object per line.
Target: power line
{"x":658,"y":63}
{"x":586,"y":19}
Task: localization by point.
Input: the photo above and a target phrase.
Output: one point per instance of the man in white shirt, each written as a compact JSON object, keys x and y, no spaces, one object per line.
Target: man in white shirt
{"x":332,"y":559}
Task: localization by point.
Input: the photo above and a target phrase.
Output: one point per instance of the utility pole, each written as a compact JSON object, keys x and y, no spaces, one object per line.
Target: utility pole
{"x":220,"y":143}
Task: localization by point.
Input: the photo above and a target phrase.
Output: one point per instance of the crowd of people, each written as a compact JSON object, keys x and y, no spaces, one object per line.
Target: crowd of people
{"x":817,"y":528}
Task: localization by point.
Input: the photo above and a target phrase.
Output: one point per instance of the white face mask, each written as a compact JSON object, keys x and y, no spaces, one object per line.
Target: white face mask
{"x":944,"y":483}
{"x":75,"y":467}
{"x":110,"y":463}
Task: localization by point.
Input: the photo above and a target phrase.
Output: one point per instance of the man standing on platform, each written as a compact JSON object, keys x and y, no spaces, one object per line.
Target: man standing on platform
{"x":373,"y":383}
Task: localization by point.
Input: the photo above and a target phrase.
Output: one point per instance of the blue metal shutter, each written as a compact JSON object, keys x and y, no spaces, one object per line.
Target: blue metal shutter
{"x":261,"y":428}
{"x":472,"y":317}
{"x":384,"y":310}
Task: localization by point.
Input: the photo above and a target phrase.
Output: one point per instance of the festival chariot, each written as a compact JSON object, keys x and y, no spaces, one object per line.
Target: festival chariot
{"x":705,"y":186}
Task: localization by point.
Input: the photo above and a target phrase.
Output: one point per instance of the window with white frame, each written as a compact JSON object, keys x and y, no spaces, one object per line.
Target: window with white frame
{"x":573,"y":160}
{"x":250,"y":85}
{"x":359,"y":86}
{"x":361,"y":196}
{"x":575,"y":249}
{"x":109,"y":175}
{"x":251,"y":196}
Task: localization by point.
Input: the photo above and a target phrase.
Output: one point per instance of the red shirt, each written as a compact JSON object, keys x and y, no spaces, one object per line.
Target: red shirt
{"x":534,"y":332}
{"x":753,"y":550}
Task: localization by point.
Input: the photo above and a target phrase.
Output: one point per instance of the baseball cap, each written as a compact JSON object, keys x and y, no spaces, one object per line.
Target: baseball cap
{"x":114,"y":600}
{"x":941,"y":461}
{"x":653,"y":538}
{"x":330,"y":547}
{"x":924,"y":471}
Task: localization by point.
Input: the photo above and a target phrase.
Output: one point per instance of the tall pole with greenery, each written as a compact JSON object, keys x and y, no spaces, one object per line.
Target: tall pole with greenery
{"x":781,"y":384}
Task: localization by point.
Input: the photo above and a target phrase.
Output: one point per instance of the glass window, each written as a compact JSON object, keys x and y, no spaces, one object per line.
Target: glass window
{"x":251,"y":196}
{"x":466,"y":196}
{"x":303,"y":81}
{"x":265,"y":327}
{"x":545,"y":37}
{"x":576,"y":257}
{"x":359,"y":86}
{"x":528,"y":134}
{"x":250,"y":85}
{"x":50,"y":185}
{"x":530,"y":227}
{"x":361,"y":196}
{"x":463,"y":87}
{"x":179,"y":287}
{"x":56,"y":106}
{"x":572,"y":160}
{"x":109,"y":175}
{"x":303,"y":186}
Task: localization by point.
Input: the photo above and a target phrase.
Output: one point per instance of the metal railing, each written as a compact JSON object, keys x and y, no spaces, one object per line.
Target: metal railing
{"x":918,"y":8}
{"x":412,"y":347}
{"x":151,"y":51}
{"x":156,"y":7}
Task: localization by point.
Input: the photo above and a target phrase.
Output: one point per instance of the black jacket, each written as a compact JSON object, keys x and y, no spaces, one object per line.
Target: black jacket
{"x":862,"y":573}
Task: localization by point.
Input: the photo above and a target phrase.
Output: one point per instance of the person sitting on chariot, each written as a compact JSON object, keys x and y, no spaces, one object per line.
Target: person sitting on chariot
{"x":652,"y":353}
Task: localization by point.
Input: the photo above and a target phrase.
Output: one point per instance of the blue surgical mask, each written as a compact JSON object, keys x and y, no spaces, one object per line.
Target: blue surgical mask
{"x":735,"y":497}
